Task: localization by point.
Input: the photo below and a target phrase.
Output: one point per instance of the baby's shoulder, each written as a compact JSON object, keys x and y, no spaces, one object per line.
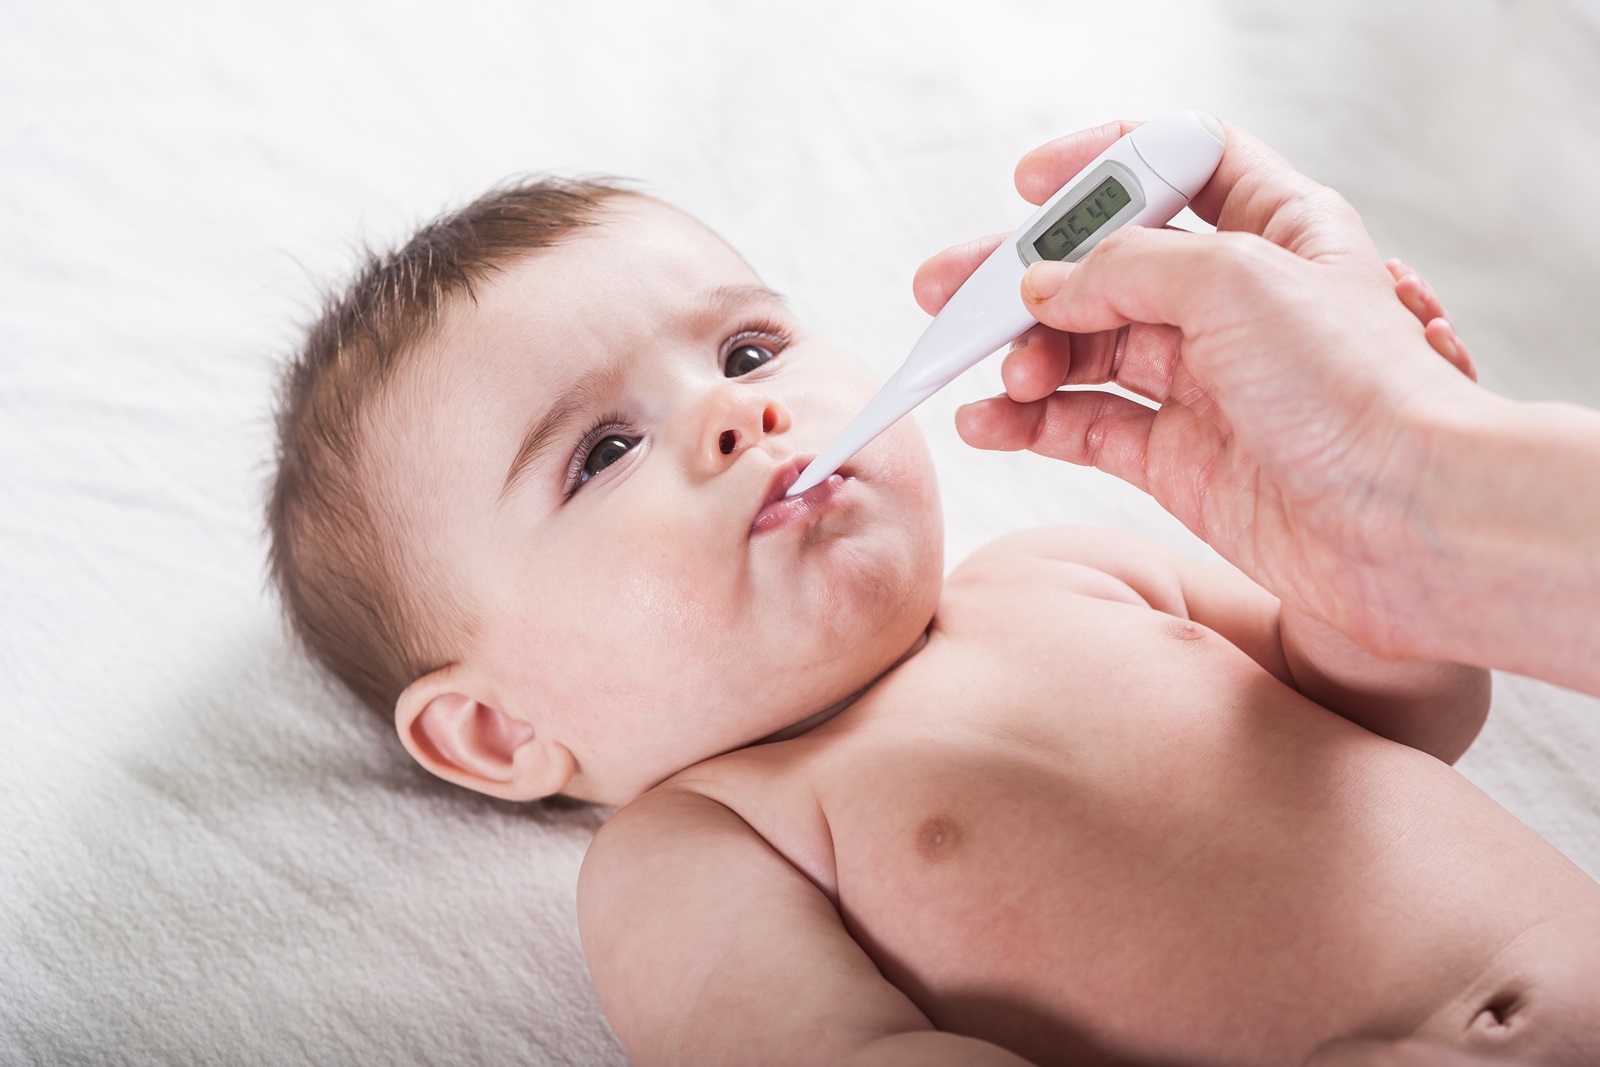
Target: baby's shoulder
{"x":769,"y":788}
{"x":1085,"y":560}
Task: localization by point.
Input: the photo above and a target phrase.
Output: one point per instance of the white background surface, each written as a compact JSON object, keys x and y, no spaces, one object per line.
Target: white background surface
{"x":207,"y":854}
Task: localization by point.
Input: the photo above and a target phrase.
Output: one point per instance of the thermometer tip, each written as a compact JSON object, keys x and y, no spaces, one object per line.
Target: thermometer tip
{"x":808,"y":478}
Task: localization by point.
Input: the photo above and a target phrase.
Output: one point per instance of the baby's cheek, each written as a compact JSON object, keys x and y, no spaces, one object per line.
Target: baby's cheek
{"x":910,"y":470}
{"x":673,"y":610}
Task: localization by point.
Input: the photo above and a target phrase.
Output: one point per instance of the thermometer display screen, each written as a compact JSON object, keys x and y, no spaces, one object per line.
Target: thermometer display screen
{"x":1082,"y":220}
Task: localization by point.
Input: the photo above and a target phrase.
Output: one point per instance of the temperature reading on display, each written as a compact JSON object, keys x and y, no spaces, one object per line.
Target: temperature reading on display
{"x":1082,"y":220}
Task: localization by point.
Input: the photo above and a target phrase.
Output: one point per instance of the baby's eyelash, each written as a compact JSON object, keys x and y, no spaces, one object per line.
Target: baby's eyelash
{"x":762,"y":329}
{"x":608,"y":424}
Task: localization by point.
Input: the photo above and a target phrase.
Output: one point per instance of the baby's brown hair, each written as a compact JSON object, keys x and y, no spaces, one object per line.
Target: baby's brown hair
{"x":346,"y":586}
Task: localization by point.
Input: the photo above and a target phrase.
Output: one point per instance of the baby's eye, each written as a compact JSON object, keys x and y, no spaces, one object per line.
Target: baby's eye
{"x":746,"y":358}
{"x":605,"y":452}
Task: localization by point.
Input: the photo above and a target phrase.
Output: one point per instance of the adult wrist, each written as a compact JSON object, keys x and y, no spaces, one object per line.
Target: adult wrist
{"x":1504,"y":538}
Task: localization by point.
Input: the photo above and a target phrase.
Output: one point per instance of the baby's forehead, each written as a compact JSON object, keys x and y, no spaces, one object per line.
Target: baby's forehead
{"x":642,"y":269}
{"x":637,"y":255}
{"x":637,"y":245}
{"x":640,"y":274}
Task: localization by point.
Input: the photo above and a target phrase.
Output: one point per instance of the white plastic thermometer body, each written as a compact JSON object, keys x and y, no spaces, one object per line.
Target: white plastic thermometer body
{"x":1143,"y":179}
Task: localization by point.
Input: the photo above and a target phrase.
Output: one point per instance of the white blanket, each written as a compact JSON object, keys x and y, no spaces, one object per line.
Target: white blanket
{"x":210,"y":855}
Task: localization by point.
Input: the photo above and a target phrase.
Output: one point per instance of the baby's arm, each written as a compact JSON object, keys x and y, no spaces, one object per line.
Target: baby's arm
{"x":1436,"y":707}
{"x":708,"y":947}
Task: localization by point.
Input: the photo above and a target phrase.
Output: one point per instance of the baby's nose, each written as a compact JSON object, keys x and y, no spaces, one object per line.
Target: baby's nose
{"x":728,"y":441}
{"x":737,"y":424}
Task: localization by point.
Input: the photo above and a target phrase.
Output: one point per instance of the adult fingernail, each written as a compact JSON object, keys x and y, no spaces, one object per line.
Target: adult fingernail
{"x":1044,"y":280}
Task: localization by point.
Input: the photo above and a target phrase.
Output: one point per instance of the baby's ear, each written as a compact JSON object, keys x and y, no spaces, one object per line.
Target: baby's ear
{"x":448,"y":726}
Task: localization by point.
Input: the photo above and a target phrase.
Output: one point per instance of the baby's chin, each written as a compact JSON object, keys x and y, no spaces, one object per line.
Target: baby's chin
{"x":854,"y":692}
{"x":854,"y":656}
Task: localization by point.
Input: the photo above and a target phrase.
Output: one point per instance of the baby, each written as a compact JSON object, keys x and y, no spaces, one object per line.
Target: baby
{"x":1083,"y":800}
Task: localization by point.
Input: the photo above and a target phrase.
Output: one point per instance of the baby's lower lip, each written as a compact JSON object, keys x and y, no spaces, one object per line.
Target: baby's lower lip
{"x":787,"y":510}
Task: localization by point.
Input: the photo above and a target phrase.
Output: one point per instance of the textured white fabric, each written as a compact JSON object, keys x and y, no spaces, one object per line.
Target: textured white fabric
{"x":207,"y":854}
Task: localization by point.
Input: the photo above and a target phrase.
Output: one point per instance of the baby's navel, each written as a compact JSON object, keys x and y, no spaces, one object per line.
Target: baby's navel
{"x":938,"y":837}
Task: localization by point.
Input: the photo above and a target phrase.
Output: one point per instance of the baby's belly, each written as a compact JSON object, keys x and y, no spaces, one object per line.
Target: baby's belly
{"x":1228,"y":878}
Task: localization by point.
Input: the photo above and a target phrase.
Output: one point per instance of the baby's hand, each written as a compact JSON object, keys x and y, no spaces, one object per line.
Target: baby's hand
{"x":1420,"y":299}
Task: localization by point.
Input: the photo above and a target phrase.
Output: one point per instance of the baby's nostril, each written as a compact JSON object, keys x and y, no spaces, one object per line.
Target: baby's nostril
{"x":727,"y":441}
{"x":768,"y":421}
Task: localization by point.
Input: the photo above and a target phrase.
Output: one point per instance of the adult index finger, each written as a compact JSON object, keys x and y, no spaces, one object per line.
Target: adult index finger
{"x":1042,"y":172}
{"x":941,"y":274}
{"x":938,"y":278}
{"x":1166,"y":277}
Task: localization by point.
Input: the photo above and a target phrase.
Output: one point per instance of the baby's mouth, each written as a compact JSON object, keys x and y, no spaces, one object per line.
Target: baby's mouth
{"x":778,"y":510}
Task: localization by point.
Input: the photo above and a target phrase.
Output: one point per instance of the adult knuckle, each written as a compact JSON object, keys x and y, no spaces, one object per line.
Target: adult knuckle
{"x":1096,"y":429}
{"x":1323,"y":204}
{"x":1114,"y":251}
{"x":1120,"y":241}
{"x":1251,"y":266}
{"x":1309,"y":208}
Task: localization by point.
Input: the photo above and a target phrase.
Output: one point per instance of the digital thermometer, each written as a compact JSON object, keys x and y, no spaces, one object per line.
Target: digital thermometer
{"x":1143,"y":179}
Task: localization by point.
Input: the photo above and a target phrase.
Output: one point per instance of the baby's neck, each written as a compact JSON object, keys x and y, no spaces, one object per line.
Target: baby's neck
{"x":813,"y":721}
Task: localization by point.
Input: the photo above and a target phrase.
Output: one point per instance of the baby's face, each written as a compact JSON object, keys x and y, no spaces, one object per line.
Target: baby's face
{"x":593,"y":446}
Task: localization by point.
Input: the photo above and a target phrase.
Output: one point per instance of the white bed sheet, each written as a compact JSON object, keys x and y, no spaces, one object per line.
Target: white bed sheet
{"x":208,"y":854}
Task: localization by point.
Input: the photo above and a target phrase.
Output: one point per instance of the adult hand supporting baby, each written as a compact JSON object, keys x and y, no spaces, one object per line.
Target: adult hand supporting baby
{"x":1307,"y":429}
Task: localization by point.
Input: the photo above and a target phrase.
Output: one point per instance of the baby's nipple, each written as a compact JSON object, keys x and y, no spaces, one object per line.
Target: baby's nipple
{"x":938,"y":837}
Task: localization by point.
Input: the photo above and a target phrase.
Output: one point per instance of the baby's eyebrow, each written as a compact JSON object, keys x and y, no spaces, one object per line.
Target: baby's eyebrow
{"x":724,"y":300}
{"x":587,"y":390}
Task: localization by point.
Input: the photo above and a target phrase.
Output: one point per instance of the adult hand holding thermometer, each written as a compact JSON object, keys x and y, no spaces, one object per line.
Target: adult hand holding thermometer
{"x":1143,"y":179}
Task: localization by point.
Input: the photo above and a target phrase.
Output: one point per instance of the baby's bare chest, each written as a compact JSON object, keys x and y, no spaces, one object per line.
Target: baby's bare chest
{"x":1245,"y":912}
{"x":1120,"y":817}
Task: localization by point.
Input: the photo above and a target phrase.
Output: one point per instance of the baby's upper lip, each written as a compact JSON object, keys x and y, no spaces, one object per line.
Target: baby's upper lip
{"x":786,"y":475}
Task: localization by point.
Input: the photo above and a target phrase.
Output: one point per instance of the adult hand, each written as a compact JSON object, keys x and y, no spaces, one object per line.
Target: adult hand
{"x":1300,"y":401}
